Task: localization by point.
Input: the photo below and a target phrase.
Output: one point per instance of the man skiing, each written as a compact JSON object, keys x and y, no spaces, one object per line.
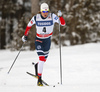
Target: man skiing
{"x":44,"y":30}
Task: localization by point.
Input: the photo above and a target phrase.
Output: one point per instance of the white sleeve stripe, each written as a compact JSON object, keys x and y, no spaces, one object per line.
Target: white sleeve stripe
{"x":43,"y":51}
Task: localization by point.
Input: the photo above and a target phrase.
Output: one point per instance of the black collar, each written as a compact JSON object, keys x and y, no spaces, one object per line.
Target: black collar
{"x":43,"y":17}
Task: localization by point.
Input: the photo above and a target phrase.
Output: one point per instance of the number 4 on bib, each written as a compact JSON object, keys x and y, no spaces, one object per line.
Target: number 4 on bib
{"x":44,"y":29}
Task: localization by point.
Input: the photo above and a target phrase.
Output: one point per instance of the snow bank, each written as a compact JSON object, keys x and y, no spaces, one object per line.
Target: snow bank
{"x":81,"y":70}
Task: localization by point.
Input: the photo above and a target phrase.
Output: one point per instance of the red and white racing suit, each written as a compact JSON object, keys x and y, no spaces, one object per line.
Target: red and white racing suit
{"x":44,"y":31}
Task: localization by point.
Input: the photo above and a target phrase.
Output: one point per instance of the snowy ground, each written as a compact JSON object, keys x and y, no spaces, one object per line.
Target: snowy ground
{"x":81,"y":70}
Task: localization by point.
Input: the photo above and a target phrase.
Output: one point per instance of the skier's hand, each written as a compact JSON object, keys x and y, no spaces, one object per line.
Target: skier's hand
{"x":24,"y":38}
{"x":59,"y":13}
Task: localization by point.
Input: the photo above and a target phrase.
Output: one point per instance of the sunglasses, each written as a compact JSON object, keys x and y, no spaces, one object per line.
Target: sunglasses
{"x":45,"y":11}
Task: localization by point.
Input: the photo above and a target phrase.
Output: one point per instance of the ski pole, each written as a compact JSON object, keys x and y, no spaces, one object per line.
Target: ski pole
{"x":60,"y":54}
{"x":16,"y":58}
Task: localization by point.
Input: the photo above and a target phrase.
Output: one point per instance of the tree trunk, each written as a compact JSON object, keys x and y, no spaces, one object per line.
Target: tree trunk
{"x":2,"y":33}
{"x":34,"y":11}
{"x":34,"y":6}
{"x":71,"y":28}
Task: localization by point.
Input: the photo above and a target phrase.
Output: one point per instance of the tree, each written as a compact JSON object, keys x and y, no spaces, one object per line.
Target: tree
{"x":3,"y":26}
{"x":32,"y":33}
{"x":82,"y":21}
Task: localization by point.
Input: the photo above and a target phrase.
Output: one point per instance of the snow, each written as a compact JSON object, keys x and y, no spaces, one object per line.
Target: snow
{"x":75,"y":34}
{"x":75,"y":6}
{"x":20,"y":2}
{"x":88,"y":26}
{"x":67,"y":7}
{"x":81,"y":70}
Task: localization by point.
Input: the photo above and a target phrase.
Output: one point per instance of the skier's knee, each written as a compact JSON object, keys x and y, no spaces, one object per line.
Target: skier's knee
{"x":42,"y":58}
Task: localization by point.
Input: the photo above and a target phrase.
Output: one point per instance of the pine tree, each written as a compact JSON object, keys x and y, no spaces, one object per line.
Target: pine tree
{"x":82,"y":20}
{"x":20,"y":20}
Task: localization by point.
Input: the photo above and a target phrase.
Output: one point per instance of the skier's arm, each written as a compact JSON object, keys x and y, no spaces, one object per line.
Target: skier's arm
{"x":62,"y":21}
{"x":32,"y":22}
{"x":27,"y":30}
{"x":56,"y":19}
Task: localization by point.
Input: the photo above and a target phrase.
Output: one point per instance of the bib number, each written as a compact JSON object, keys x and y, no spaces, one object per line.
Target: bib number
{"x":44,"y":30}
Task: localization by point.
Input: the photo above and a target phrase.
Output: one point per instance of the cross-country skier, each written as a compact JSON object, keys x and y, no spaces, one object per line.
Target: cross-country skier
{"x":44,"y":29}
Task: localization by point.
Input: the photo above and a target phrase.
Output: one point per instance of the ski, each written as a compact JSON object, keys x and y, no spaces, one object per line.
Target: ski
{"x":37,"y":78}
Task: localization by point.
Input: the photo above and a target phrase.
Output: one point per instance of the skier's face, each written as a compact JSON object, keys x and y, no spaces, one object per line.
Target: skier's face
{"x":44,"y":13}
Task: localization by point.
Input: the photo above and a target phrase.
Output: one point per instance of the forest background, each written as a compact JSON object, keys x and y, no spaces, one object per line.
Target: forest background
{"x":82,"y":22}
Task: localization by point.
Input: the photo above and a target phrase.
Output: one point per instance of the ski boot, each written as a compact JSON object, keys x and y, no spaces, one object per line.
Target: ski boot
{"x":39,"y":83}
